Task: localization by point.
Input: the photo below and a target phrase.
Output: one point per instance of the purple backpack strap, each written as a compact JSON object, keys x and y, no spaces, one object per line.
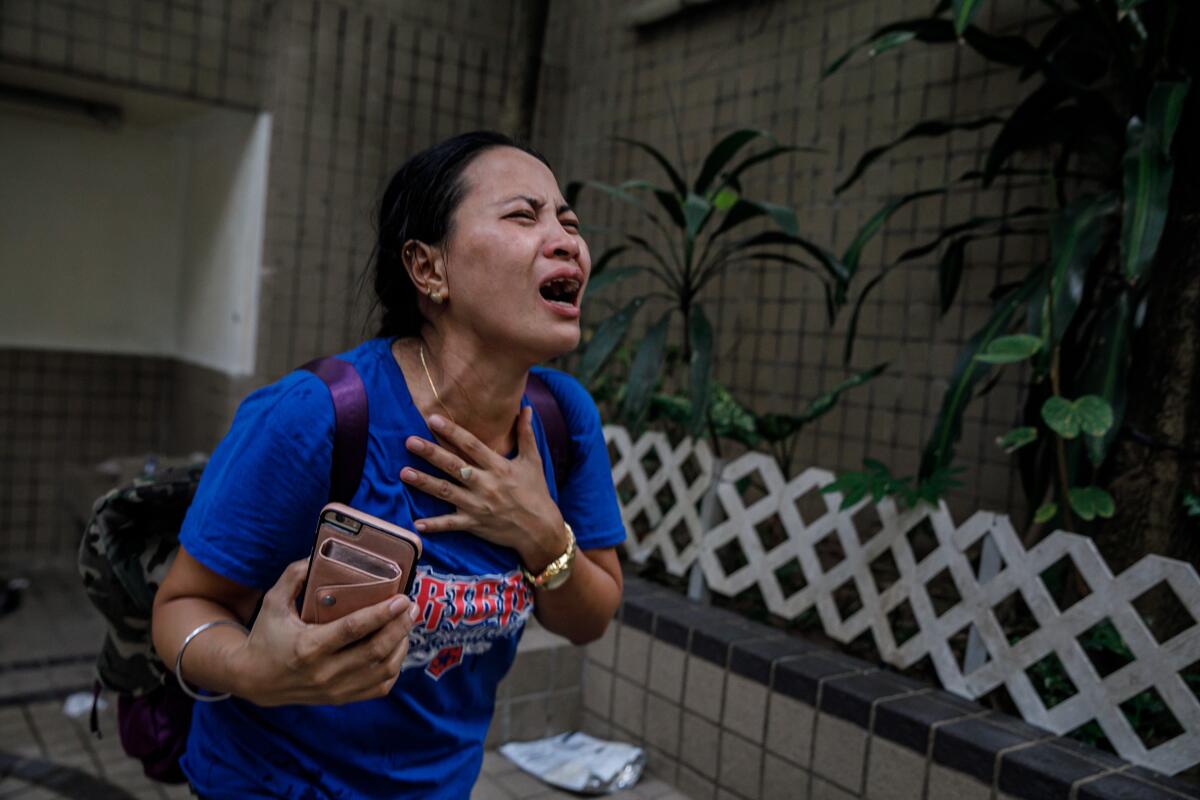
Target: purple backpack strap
{"x":350,"y":424}
{"x":558,"y":437}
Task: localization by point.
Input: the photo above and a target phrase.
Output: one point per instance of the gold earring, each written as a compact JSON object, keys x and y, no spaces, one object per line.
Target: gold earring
{"x":436,"y":297}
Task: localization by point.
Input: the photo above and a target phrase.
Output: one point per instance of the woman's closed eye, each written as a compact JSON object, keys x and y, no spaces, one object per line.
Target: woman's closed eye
{"x":528,"y":215}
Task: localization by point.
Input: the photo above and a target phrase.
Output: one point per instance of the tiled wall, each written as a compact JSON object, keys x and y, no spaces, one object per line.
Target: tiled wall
{"x":727,"y":65}
{"x":354,"y":88}
{"x":210,"y":51}
{"x":61,"y":410}
{"x":63,"y":413}
{"x":728,"y":708}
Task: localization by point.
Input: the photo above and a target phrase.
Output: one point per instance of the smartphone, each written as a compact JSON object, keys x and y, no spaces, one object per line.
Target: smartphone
{"x":357,"y":560}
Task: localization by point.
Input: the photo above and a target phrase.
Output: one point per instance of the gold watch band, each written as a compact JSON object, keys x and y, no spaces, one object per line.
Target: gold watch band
{"x":557,"y":571}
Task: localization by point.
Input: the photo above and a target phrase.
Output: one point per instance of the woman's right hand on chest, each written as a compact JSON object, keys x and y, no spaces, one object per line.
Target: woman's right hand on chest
{"x":358,"y":657}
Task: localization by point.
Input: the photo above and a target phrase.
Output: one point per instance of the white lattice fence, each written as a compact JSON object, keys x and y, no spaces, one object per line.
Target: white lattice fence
{"x":820,"y":557}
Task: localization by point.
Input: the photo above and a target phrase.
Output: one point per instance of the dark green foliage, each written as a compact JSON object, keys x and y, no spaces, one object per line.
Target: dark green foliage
{"x":878,"y":482}
{"x":1192,"y":503}
{"x":1107,"y":92}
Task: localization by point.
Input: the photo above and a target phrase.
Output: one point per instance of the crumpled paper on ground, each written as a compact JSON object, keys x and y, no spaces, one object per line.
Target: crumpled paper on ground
{"x":79,"y":704}
{"x":578,"y":762}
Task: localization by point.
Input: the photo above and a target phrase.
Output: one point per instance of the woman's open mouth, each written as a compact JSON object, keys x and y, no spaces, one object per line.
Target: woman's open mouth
{"x":562,"y":295}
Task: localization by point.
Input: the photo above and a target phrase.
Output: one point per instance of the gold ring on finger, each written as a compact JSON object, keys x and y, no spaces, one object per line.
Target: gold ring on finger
{"x":465,"y":474}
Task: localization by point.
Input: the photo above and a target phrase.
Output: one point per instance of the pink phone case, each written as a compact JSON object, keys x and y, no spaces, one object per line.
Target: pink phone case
{"x":357,"y":560}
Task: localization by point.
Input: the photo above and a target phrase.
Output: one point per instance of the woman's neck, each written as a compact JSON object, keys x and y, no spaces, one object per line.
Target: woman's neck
{"x":477,"y":387}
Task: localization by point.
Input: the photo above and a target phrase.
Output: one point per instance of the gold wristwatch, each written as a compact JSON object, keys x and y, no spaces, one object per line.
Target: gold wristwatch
{"x":557,"y":571}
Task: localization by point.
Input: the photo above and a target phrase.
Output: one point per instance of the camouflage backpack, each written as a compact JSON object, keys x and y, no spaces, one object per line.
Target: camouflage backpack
{"x":127,"y":548}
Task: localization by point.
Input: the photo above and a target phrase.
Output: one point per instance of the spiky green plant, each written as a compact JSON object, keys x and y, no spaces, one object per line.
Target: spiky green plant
{"x":699,"y":235}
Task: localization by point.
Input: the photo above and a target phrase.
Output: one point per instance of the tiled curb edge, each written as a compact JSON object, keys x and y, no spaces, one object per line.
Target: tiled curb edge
{"x":1012,"y":757}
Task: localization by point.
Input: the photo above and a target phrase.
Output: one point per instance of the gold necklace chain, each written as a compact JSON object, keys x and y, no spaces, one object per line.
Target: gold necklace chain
{"x":429,"y":377}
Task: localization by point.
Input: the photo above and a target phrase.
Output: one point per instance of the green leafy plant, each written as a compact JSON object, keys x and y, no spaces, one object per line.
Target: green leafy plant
{"x":878,"y":482}
{"x":699,"y":235}
{"x":1191,"y":502}
{"x":1089,"y":415}
{"x":777,"y":433}
{"x":1108,"y":86}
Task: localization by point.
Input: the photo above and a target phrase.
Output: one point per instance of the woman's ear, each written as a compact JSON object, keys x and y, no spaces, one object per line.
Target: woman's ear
{"x":426,"y":269}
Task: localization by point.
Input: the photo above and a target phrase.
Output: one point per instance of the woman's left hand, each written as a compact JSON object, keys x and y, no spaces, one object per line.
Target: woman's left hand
{"x":504,"y":501}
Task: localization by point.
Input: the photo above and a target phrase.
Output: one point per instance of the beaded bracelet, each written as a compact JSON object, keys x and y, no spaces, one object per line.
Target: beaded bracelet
{"x":203,"y":698}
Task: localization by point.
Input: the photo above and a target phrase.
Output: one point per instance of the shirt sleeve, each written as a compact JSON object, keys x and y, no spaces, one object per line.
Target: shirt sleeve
{"x":587,"y":499}
{"x":256,"y":507}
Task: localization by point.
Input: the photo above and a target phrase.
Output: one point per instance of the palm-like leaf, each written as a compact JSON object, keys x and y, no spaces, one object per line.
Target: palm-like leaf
{"x":700,"y":334}
{"x":1011,"y":51}
{"x":744,"y":210}
{"x":1148,"y":174}
{"x":776,"y":258}
{"x":852,"y":327}
{"x":1075,"y":238}
{"x":605,"y":340}
{"x":663,"y":270}
{"x":601,"y":263}
{"x":645,"y":371}
{"x":1148,"y":178}
{"x":611,"y":276}
{"x":828,"y":261}
{"x":677,"y":178}
{"x":1164,"y":110}
{"x":667,"y":200}
{"x":950,"y":270}
{"x":732,"y":177}
{"x":723,"y":153}
{"x":973,"y":224}
{"x":968,"y":371}
{"x":873,"y":225}
{"x":928,"y":129}
{"x":774,"y":427}
{"x":964,"y":12}
{"x":925,"y":29}
{"x":1024,"y":125}
{"x":696,"y":212}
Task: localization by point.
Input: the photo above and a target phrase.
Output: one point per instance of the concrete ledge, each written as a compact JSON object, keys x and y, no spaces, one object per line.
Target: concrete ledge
{"x":541,"y":695}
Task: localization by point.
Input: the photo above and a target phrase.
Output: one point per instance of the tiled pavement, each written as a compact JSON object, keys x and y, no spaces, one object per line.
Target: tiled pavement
{"x":46,"y":653}
{"x":45,"y":754}
{"x":47,"y":647}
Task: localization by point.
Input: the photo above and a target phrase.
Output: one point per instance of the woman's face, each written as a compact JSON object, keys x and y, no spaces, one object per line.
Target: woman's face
{"x":516,"y":265}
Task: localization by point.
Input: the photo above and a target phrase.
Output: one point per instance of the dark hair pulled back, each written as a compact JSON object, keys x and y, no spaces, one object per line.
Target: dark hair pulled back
{"x":419,"y":204}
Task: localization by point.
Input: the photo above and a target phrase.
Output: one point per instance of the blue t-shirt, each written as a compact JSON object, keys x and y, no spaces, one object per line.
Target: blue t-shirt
{"x":256,"y":510}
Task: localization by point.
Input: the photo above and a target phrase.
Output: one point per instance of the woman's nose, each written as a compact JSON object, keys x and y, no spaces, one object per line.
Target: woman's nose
{"x":561,"y":245}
